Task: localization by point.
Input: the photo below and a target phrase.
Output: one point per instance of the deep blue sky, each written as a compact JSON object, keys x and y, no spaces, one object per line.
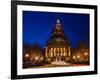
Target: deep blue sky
{"x":37,"y":27}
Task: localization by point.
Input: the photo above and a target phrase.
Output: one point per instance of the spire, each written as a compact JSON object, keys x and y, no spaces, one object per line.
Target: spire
{"x":58,"y":21}
{"x":58,"y":25}
{"x":57,"y":35}
{"x":58,"y":30}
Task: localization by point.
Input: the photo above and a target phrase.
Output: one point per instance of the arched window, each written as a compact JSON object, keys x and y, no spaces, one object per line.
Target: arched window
{"x":57,"y":49}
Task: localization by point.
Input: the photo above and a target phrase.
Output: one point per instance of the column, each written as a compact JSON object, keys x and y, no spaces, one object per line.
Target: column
{"x":61,"y":52}
{"x":46,"y":49}
{"x":69,"y":51}
{"x":51,"y":54}
{"x":64,"y":51}
{"x":54,"y":52}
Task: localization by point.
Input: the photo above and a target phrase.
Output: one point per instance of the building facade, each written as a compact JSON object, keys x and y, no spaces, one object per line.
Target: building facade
{"x":80,"y":54}
{"x":57,"y":51}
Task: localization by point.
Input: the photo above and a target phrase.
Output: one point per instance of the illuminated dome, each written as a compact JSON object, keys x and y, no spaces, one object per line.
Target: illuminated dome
{"x":57,"y":38}
{"x":57,"y":48}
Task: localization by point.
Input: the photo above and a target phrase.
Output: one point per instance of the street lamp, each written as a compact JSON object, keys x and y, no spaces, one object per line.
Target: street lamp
{"x":41,"y":58}
{"x":36,"y":57}
{"x":27,"y":55}
{"x":78,"y":56}
{"x":74,"y":57}
{"x":85,"y":53}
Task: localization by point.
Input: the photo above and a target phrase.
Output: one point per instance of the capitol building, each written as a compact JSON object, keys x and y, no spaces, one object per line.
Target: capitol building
{"x":58,"y":47}
{"x":57,"y":51}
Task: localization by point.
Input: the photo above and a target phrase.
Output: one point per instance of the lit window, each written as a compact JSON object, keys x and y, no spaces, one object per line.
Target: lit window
{"x":58,"y":40}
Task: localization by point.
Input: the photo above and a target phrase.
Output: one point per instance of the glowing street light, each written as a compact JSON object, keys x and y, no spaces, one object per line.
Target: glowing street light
{"x":27,"y":55}
{"x":41,"y":58}
{"x":78,"y":56}
{"x":74,"y":57}
{"x":36,"y":58}
{"x":85,"y":53}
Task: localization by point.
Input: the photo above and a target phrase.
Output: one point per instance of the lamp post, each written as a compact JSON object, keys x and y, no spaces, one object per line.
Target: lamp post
{"x":27,"y":55}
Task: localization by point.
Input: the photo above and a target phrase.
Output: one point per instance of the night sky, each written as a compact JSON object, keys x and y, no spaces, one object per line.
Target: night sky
{"x":37,"y":27}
